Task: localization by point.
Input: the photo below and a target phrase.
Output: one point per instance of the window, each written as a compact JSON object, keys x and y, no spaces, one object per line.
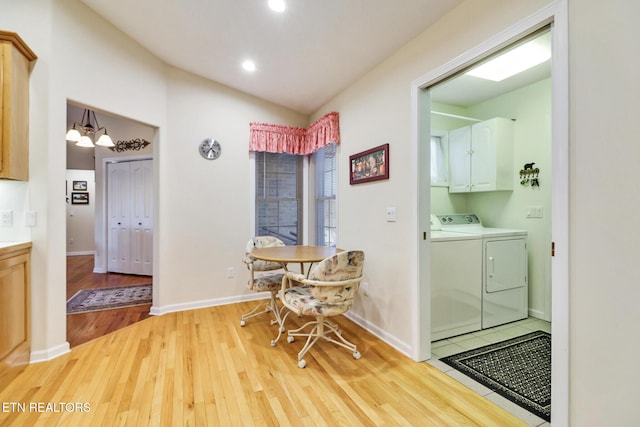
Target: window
{"x":279,"y":196}
{"x":326,"y":186}
{"x":439,"y":160}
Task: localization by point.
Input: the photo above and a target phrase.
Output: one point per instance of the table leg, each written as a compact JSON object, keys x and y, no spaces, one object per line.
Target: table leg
{"x":278,"y":312}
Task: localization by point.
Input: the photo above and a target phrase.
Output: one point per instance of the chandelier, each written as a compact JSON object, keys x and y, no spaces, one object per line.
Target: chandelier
{"x":84,"y":133}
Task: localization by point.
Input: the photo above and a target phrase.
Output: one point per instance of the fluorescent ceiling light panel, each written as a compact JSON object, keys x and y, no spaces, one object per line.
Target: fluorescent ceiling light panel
{"x":514,"y":61}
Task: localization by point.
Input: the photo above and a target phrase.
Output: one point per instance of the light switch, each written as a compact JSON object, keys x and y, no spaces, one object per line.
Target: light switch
{"x":391,"y":214}
{"x":30,"y":218}
{"x":6,"y":218}
{"x":534,"y":212}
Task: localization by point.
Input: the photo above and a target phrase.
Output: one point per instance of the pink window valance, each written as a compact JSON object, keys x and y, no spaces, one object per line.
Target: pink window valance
{"x":295,"y":140}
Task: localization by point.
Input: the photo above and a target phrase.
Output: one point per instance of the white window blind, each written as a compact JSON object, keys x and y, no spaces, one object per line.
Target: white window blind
{"x":326,"y":189}
{"x":278,"y":196}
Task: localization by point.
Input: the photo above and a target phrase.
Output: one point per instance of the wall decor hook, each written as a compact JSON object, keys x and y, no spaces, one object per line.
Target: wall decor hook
{"x":529,"y":175}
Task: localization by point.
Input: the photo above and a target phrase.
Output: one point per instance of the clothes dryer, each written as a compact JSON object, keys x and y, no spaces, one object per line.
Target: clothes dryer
{"x":504,"y":267}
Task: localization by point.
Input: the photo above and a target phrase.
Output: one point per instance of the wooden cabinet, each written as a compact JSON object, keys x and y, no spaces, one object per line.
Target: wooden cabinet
{"x":481,"y":157}
{"x":15,"y":59}
{"x":15,"y":341}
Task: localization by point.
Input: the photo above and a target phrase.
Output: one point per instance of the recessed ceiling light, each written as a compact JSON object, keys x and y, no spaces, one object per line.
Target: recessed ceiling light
{"x":277,"y":5}
{"x":514,"y":61}
{"x":249,"y":65}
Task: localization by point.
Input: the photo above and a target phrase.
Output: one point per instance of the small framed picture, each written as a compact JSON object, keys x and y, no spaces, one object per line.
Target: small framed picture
{"x":79,"y":198}
{"x":370,"y":165}
{"x":79,"y":185}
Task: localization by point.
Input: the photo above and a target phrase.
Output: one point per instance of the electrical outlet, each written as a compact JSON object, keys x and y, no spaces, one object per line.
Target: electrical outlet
{"x":391,"y":214}
{"x":231,"y":272}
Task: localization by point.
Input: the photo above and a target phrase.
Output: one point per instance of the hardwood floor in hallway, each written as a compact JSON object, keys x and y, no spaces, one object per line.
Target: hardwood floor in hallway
{"x":83,"y":327}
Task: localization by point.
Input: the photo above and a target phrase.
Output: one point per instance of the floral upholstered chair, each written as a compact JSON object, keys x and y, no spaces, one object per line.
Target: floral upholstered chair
{"x":260,"y":280}
{"x":328,"y":291}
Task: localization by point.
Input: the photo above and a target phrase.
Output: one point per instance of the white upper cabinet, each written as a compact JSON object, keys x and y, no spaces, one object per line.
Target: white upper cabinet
{"x":481,"y":157}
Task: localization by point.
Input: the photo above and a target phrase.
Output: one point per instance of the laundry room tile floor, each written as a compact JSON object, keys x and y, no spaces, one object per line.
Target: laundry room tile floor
{"x":461,"y":343}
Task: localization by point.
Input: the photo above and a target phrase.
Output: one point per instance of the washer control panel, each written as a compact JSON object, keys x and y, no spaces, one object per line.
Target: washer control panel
{"x":458,"y":219}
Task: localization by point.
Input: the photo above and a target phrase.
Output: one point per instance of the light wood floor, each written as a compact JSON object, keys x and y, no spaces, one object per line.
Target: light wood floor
{"x":83,"y":327}
{"x":200,"y":367}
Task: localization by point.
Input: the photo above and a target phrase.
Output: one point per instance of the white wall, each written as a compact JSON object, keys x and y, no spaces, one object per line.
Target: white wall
{"x":207,"y":208}
{"x":604,"y":202}
{"x":80,"y":217}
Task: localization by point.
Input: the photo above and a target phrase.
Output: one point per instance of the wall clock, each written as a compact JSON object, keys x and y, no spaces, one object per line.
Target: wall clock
{"x":210,"y":149}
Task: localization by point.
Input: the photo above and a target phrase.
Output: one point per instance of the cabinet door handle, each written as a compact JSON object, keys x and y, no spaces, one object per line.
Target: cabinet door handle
{"x":492,"y":266}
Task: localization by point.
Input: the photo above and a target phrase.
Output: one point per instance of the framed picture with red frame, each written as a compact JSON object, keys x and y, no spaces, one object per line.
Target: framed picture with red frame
{"x":370,"y":165}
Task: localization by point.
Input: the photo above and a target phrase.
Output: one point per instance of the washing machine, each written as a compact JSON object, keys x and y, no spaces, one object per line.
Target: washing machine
{"x":504,"y":276}
{"x":456,"y":284}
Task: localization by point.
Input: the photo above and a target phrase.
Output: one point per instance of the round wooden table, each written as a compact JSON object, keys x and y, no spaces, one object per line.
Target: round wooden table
{"x":296,"y":253}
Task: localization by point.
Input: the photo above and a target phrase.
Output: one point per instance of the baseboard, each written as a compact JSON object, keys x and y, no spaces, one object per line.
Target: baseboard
{"x":401,"y":346}
{"x":79,"y":253}
{"x":50,"y":353}
{"x":172,"y":308}
{"x":538,"y":314}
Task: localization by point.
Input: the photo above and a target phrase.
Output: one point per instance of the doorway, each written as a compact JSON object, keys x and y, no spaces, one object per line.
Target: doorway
{"x":86,"y":265}
{"x":484,"y":134}
{"x":555,"y":16}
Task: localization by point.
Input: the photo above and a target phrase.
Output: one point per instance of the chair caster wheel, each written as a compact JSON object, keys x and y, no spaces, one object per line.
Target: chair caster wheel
{"x":356,"y":355}
{"x":290,"y":339}
{"x":273,"y":343}
{"x":302,"y":363}
{"x":242,"y":323}
{"x":282,"y":329}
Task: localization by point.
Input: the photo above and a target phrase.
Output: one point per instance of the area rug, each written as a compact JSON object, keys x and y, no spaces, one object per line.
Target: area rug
{"x":109,"y":298}
{"x":518,"y":369}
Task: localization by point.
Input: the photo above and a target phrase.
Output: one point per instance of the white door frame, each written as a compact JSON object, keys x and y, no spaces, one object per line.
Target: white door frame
{"x":556,"y":15}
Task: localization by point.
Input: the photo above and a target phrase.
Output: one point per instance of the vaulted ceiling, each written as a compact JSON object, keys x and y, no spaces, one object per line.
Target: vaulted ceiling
{"x":304,"y":56}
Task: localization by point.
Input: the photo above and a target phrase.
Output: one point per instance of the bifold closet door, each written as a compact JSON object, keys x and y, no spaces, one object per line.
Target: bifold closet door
{"x":130,"y":217}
